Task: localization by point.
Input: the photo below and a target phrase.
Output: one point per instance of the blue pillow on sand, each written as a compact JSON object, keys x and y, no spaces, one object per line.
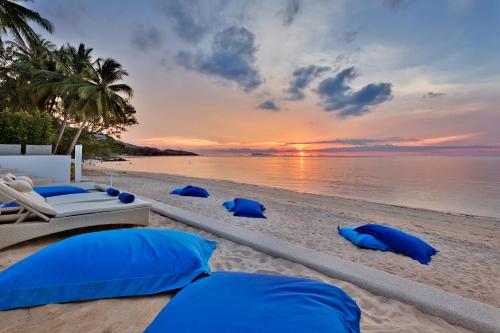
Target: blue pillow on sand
{"x":191,"y":191}
{"x":125,"y":262}
{"x":229,"y":205}
{"x":400,"y":242}
{"x":53,"y":191}
{"x":362,"y":240}
{"x":248,"y":303}
{"x":245,"y":208}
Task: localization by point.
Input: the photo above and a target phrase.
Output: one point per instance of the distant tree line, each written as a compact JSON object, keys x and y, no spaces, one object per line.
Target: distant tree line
{"x":56,"y":93}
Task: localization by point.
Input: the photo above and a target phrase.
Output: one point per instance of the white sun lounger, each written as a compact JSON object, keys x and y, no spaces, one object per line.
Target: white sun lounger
{"x":38,"y":217}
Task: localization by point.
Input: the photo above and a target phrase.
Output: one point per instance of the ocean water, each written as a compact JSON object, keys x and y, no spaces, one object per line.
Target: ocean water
{"x":467,"y":185}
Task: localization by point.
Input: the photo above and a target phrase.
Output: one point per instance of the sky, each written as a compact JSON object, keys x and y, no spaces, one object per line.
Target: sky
{"x":296,"y":77}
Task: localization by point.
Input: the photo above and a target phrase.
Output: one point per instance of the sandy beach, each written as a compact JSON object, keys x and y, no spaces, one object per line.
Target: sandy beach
{"x":467,"y":264}
{"x":132,"y":315}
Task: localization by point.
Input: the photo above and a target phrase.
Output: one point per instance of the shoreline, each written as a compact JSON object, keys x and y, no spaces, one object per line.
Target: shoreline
{"x":341,"y":197}
{"x":466,"y":264}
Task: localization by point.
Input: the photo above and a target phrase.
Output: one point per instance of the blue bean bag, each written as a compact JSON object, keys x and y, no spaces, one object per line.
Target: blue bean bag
{"x":229,"y":205}
{"x":230,"y":302}
{"x":52,"y":191}
{"x":400,"y":242}
{"x":191,"y":191}
{"x":105,"y":264}
{"x":245,"y":208}
{"x":362,"y":240}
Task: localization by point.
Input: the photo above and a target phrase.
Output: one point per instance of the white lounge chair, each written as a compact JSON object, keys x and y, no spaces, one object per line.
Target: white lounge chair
{"x":38,"y":217}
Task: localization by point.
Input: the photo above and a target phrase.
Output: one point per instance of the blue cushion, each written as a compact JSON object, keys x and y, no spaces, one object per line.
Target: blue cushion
{"x":105,"y":264}
{"x":126,"y":198}
{"x":248,"y":208}
{"x":400,"y":242}
{"x":229,"y":205}
{"x":362,"y":240}
{"x":113,"y":192}
{"x":52,"y":191}
{"x":191,"y":191}
{"x":226,"y":302}
{"x":8,"y":205}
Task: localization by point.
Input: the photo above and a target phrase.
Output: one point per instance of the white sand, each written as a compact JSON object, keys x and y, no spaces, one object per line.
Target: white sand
{"x":127,"y":315}
{"x":468,"y":262}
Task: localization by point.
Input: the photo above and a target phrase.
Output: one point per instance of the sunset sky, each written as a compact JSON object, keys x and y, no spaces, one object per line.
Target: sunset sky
{"x":300,"y":77}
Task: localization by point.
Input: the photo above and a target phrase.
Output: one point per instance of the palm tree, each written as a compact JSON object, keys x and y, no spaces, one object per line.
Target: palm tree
{"x":32,"y":56}
{"x":102,"y":98}
{"x":73,"y":63}
{"x":14,"y":19}
{"x":36,"y":52}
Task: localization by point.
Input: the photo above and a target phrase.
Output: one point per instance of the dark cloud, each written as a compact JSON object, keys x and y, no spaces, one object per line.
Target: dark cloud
{"x":146,"y":39}
{"x":291,"y":10}
{"x":432,"y":94}
{"x":232,"y":58}
{"x":337,"y":96}
{"x":189,"y":18}
{"x":350,"y":36}
{"x":358,"y":142}
{"x":396,"y":4}
{"x":269,"y":105}
{"x":302,"y":77}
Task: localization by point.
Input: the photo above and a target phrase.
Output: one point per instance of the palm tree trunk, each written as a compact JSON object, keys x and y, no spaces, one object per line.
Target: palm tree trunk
{"x":51,"y":107}
{"x":75,"y":139}
{"x":61,"y":131}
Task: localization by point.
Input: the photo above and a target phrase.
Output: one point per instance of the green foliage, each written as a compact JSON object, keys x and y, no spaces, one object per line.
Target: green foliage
{"x":25,"y":128}
{"x":14,"y":20}
{"x":82,"y":95}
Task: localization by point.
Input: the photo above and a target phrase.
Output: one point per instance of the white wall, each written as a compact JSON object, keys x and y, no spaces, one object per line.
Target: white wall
{"x":56,"y":167}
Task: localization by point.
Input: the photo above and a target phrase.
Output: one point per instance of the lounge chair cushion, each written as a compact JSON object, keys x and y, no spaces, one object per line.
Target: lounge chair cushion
{"x":126,"y":198}
{"x":30,"y":199}
{"x":400,"y":242}
{"x":191,"y":191}
{"x":52,"y":191}
{"x":105,"y":264}
{"x":362,"y":240}
{"x":248,"y":208}
{"x":250,"y":303}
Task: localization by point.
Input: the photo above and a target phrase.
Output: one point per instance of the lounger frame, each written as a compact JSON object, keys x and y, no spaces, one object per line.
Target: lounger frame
{"x":14,"y":233}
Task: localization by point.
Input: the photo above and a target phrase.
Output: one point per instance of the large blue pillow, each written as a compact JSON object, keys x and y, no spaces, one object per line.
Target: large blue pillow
{"x":226,"y":302}
{"x":229,"y":205}
{"x":191,"y":191}
{"x":400,"y":242}
{"x":105,"y":264}
{"x":52,"y":191}
{"x":248,"y":208}
{"x":362,"y":240}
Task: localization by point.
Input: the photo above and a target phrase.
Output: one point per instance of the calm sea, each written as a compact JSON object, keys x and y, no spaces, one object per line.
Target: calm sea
{"x":469,"y":185}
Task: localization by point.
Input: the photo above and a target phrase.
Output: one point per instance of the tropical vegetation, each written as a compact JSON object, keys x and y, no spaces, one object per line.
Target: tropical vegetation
{"x":26,"y":128}
{"x":80,"y":93}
